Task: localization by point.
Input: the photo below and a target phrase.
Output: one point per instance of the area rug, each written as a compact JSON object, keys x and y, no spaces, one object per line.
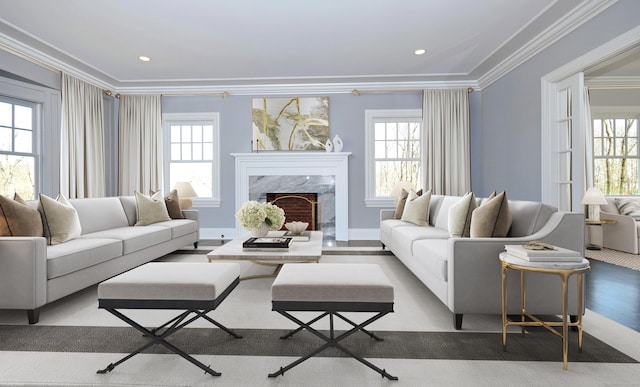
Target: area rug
{"x":618,"y":258}
{"x":536,"y":345}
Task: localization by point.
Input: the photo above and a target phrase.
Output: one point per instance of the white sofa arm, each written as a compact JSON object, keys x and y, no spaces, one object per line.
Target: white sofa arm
{"x":621,"y":235}
{"x":473,"y":260}
{"x":23,"y":272}
{"x":386,"y":214}
{"x":191,"y":214}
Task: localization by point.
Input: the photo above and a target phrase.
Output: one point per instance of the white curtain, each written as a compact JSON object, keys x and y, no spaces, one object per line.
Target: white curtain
{"x":82,"y":161}
{"x":445,"y":115}
{"x":140,"y":143}
{"x":588,"y":142}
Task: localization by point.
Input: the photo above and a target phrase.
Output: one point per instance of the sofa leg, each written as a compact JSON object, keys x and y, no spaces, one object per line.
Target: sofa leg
{"x":383,"y":246}
{"x":195,"y":245}
{"x":457,"y":321}
{"x":33,"y":315}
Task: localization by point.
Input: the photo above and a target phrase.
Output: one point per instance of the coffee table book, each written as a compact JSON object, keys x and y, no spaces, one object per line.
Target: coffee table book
{"x":267,"y":244}
{"x":298,"y":237}
{"x":555,"y":254}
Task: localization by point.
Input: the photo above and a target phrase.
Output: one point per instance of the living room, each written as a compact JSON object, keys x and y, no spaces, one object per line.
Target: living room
{"x":506,"y":150}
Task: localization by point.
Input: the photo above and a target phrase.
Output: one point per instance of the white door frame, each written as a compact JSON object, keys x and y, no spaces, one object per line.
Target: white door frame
{"x":614,"y":47}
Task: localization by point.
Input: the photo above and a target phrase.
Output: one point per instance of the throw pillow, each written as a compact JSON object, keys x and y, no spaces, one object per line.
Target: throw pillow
{"x":416,"y":210}
{"x":60,"y":221}
{"x":17,"y":218}
{"x":629,"y":207}
{"x":459,"y":216}
{"x":400,"y":203}
{"x":492,"y":218}
{"x":172,"y":201}
{"x":150,"y":210}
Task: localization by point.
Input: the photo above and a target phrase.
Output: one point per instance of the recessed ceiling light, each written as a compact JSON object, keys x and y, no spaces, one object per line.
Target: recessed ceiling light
{"x":420,"y":51}
{"x":144,"y":58}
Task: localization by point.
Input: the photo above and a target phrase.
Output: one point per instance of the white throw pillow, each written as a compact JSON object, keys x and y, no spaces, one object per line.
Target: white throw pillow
{"x":459,"y":217}
{"x":628,"y":207}
{"x":150,"y":210}
{"x":60,"y":221}
{"x":416,"y":209}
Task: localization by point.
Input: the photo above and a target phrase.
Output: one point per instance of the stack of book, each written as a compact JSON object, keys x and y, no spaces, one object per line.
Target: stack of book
{"x":542,"y":252}
{"x":267,"y":244}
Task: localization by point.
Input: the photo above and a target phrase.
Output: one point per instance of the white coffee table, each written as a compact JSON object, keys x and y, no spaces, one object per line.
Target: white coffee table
{"x":299,"y":252}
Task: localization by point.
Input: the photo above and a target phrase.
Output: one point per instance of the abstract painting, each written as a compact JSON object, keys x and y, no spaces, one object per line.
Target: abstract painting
{"x":290,"y":124}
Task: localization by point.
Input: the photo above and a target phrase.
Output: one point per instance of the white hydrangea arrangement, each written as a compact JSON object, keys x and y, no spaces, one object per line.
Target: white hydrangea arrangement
{"x":252,"y":214}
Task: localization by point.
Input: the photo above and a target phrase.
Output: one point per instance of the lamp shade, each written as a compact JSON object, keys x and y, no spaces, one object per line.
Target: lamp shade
{"x":185,"y":193}
{"x":593,"y":196}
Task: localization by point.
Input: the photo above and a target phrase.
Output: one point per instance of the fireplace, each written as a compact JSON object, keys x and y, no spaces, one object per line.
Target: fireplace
{"x":298,"y":207}
{"x":322,"y":173}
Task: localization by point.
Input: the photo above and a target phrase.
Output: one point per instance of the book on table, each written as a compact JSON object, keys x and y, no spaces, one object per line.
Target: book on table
{"x":547,"y":253}
{"x":267,"y":243}
{"x":298,"y":237}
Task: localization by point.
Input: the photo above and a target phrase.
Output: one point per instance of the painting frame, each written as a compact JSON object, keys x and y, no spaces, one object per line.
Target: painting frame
{"x":289,"y":123}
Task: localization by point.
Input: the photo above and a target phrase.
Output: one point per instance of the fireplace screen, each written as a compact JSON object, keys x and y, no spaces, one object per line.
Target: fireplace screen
{"x":301,"y":207}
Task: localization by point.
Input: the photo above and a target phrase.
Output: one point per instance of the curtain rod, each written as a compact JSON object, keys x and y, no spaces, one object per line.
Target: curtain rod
{"x":357,"y":92}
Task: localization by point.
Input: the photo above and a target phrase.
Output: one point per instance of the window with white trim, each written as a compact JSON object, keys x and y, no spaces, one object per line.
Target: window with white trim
{"x":393,"y":154}
{"x":192,"y":154}
{"x":616,"y":158}
{"x":18,"y":155}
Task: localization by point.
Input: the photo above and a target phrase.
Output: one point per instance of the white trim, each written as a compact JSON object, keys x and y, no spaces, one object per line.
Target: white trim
{"x":613,"y":82}
{"x":303,"y":163}
{"x":214,"y":119}
{"x":619,"y":111}
{"x":370,"y":115}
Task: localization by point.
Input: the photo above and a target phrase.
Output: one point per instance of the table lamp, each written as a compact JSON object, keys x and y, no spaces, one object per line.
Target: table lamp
{"x":593,"y":198}
{"x":185,"y":193}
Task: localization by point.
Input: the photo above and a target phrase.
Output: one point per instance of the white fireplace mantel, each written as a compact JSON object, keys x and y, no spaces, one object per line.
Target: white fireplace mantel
{"x":298,"y":164}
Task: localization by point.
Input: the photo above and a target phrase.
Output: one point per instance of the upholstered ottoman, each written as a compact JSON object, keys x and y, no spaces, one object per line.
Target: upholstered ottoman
{"x":194,"y":288}
{"x":332,"y":288}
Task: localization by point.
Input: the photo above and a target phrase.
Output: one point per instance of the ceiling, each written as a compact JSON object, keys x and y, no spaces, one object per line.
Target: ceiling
{"x":235,"y":44}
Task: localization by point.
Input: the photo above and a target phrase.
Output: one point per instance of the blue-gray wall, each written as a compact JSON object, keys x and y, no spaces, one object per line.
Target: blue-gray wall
{"x":508,"y":148}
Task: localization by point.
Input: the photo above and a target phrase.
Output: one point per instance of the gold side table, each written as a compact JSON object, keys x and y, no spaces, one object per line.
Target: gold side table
{"x":562,"y":269}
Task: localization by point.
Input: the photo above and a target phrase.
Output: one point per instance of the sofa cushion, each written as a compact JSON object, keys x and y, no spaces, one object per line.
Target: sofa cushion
{"x":629,"y":207}
{"x":150,"y":210}
{"x":97,"y":214}
{"x":134,"y":238}
{"x":79,"y":254}
{"x":433,"y":256}
{"x":460,"y":216}
{"x":528,"y":217}
{"x":416,"y":209}
{"x":17,"y":218}
{"x":441,"y":218}
{"x":492,"y":218}
{"x":407,"y":236}
{"x":172,"y":202}
{"x":179,"y":227}
{"x":60,"y":220}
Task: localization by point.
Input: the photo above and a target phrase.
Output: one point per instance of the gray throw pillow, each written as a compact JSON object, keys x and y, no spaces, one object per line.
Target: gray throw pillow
{"x":459,"y":217}
{"x":60,"y":220}
{"x":150,"y":210}
{"x":629,"y":207}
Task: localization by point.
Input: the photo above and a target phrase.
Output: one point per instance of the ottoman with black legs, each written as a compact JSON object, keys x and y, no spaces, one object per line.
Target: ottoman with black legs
{"x":332,"y":289}
{"x":193,"y":288}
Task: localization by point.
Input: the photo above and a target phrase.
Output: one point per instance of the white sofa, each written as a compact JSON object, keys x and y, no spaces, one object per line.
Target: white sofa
{"x":33,"y":273}
{"x":624,"y":233}
{"x":464,"y":273}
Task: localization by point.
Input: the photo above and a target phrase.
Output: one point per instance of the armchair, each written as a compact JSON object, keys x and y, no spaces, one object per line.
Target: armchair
{"x":622,"y":234}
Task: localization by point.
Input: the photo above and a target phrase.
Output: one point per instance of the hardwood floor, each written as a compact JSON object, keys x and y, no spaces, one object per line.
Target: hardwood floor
{"x":614,"y":292}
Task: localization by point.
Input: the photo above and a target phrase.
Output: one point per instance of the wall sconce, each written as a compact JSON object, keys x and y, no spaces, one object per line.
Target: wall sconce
{"x":185,"y":193}
{"x":593,"y":198}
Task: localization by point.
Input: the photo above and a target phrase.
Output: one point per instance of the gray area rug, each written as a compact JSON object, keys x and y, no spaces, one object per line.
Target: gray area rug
{"x":536,"y":345}
{"x":618,"y":258}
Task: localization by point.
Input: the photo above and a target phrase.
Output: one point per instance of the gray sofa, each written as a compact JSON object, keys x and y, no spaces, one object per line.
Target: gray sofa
{"x":33,"y":273}
{"x":622,"y":233}
{"x":464,"y":273}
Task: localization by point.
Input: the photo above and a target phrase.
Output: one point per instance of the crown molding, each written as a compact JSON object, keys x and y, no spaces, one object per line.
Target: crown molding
{"x":613,"y":82}
{"x":301,"y":89}
{"x":582,"y":14}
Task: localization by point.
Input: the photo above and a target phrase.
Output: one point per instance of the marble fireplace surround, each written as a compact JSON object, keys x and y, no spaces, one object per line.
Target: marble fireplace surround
{"x":325,"y":173}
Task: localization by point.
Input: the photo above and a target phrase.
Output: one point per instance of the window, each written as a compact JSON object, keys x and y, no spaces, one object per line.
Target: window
{"x":394,"y":153}
{"x":18,"y":157}
{"x":192,"y":154}
{"x":615,"y":154}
